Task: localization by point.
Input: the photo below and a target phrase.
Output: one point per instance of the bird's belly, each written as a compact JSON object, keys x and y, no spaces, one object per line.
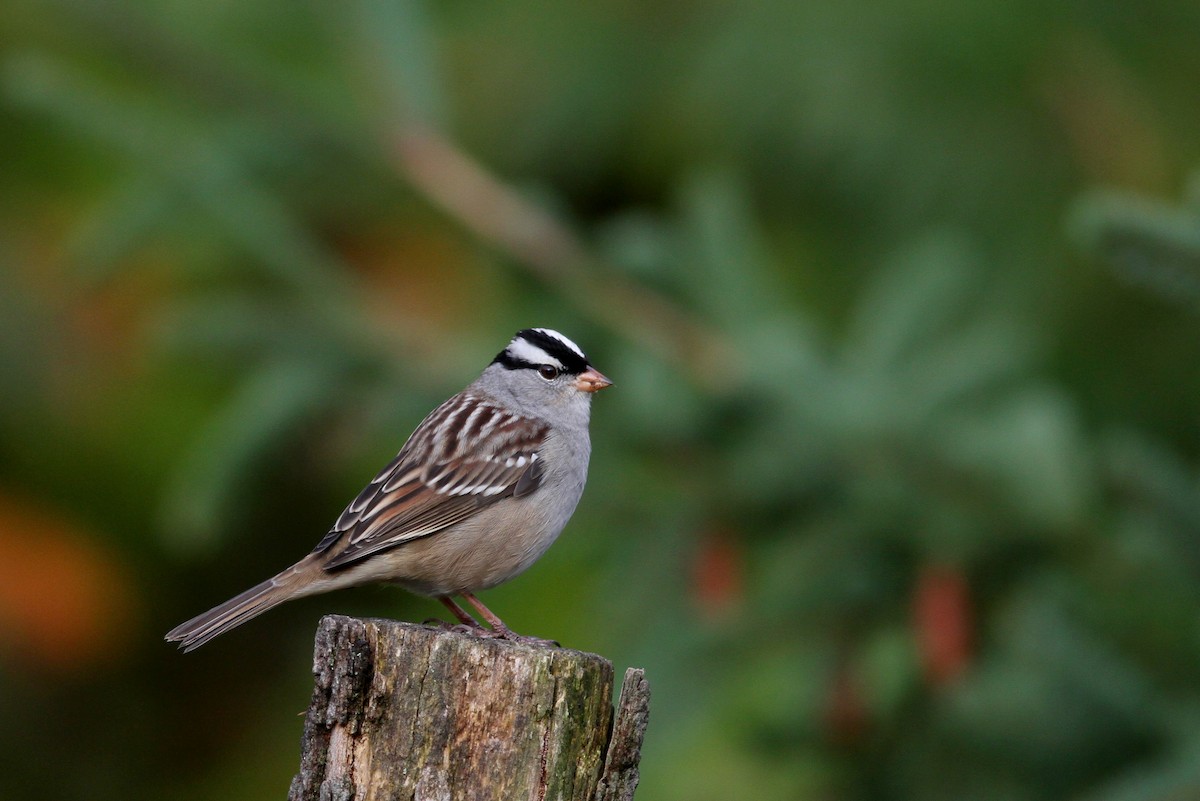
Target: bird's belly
{"x":486,"y":550}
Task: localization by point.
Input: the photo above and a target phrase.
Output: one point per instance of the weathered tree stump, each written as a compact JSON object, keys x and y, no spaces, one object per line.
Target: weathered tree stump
{"x":401,"y":711}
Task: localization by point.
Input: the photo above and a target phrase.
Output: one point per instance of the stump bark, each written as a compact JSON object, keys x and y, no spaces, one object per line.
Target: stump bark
{"x":401,"y":711}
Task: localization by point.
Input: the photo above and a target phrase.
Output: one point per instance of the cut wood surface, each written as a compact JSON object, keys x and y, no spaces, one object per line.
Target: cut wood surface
{"x":401,"y":711}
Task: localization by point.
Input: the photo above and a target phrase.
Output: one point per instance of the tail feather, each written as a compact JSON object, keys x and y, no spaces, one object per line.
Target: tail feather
{"x":236,"y":611}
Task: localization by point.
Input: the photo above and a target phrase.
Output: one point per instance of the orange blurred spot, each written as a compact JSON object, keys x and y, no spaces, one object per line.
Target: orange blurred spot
{"x":717,"y":574}
{"x":108,"y":320}
{"x":1114,"y":132}
{"x":943,"y":622}
{"x":64,"y":603}
{"x":417,"y":279}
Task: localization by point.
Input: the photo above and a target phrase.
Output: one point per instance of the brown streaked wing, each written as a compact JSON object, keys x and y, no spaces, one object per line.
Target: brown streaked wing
{"x":413,"y":454}
{"x":416,"y":499}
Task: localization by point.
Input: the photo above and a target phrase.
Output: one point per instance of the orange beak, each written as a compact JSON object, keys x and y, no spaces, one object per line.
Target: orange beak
{"x":591,"y":380}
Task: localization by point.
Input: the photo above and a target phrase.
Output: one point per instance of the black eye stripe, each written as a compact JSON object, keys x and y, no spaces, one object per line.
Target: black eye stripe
{"x":506,"y":359}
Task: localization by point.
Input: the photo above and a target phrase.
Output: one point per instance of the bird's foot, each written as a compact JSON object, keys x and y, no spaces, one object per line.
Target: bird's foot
{"x":457,"y":628}
{"x":479,"y":630}
{"x":524,"y":639}
{"x":498,"y":629}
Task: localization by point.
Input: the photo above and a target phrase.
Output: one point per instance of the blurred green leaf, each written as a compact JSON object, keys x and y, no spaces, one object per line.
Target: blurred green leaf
{"x":215,"y":475}
{"x":181,"y":149}
{"x":401,"y":66}
{"x":1146,"y":243}
{"x":916,"y":297}
{"x":724,"y":262}
{"x":1028,"y":451}
{"x":121,"y":223}
{"x":1176,"y":776}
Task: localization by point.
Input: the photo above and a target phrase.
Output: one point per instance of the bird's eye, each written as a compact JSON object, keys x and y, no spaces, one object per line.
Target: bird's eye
{"x":548,"y":372}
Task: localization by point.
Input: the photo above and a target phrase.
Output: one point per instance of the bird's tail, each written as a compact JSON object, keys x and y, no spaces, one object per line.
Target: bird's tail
{"x":291,"y":583}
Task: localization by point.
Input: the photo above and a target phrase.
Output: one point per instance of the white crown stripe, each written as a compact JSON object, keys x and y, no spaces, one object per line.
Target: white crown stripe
{"x":552,"y":333}
{"x":525,"y":351}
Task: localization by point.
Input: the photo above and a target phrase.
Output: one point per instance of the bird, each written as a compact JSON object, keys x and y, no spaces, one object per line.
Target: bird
{"x":479,"y":491}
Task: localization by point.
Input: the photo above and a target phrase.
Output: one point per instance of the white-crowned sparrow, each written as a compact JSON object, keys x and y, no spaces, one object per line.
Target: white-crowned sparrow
{"x":480,"y":491}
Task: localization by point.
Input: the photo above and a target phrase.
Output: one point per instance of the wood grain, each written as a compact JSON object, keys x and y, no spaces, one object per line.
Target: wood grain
{"x":401,"y":711}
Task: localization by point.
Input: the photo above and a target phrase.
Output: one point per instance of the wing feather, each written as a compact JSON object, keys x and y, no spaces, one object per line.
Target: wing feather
{"x":467,"y":454}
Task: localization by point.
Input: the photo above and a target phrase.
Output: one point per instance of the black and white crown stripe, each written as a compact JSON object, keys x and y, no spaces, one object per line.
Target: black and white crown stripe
{"x":534,"y":347}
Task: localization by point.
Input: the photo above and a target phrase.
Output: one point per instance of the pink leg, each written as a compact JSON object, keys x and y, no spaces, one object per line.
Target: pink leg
{"x":458,"y":611}
{"x":496,"y":623}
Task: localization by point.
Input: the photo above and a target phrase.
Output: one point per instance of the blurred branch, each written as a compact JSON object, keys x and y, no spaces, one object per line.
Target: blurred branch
{"x":422,"y":157}
{"x":173,"y":150}
{"x":464,"y":189}
{"x":496,"y":213}
{"x":402,"y":73}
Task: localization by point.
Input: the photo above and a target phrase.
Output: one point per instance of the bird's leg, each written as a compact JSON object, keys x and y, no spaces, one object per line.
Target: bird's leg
{"x":467,"y":624}
{"x":499,"y":629}
{"x":458,"y":611}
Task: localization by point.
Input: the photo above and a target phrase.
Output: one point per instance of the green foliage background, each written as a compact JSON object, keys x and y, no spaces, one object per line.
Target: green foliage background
{"x":895,"y":498}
